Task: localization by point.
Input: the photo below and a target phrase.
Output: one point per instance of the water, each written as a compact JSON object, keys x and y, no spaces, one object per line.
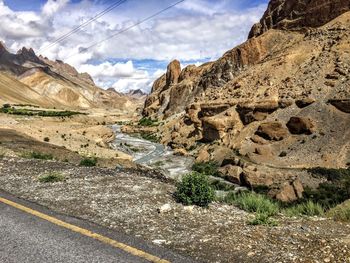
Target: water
{"x":153,"y":155}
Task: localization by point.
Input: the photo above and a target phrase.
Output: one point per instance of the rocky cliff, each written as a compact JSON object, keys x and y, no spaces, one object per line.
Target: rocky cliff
{"x":279,"y":100}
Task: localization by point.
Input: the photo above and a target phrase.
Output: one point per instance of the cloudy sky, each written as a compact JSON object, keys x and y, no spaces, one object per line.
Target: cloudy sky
{"x":194,"y":31}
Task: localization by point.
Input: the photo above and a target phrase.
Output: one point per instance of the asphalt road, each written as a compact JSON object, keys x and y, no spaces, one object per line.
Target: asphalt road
{"x":27,"y":238}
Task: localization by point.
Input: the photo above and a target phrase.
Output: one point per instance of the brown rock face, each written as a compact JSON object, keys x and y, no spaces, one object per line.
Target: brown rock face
{"x":342,"y":105}
{"x":300,"y":125}
{"x":296,"y":14}
{"x":232,"y":173}
{"x":288,"y":192}
{"x":173,"y":73}
{"x":273,"y":131}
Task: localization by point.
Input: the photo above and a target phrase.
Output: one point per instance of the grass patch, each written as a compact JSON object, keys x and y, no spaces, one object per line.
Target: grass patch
{"x":221,"y":186}
{"x":207,"y":168}
{"x":308,"y":208}
{"x":37,"y":155}
{"x":52,"y":177}
{"x":262,"y":219}
{"x":88,"y":162}
{"x":254,"y":203}
{"x":148,"y":122}
{"x":29,"y":112}
{"x":341,"y":212}
{"x":195,"y":189}
{"x":150,"y":137}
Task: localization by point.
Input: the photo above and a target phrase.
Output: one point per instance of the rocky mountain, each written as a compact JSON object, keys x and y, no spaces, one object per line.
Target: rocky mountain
{"x":37,"y":80}
{"x":275,"y":104}
{"x":138,"y":94}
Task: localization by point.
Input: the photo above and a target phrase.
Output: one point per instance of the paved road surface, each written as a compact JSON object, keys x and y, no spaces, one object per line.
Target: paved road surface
{"x":27,"y":238}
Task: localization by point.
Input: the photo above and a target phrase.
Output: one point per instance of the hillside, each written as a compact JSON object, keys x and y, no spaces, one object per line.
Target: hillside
{"x":280,"y":100}
{"x":33,"y":79}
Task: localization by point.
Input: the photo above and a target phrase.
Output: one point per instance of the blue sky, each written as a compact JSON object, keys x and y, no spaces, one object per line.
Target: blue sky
{"x":193,"y":32}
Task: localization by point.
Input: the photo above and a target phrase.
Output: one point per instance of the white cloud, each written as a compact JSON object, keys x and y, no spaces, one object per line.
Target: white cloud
{"x":195,"y":30}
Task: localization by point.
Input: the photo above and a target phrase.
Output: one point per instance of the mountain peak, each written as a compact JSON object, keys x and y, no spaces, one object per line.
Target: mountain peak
{"x":298,"y":14}
{"x":26,"y":51}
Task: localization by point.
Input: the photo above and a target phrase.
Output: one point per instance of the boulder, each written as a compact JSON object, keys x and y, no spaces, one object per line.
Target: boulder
{"x":203,"y":156}
{"x":272,"y":131}
{"x":173,"y":73}
{"x":301,"y":125}
{"x":302,"y":103}
{"x":252,"y":178}
{"x":232,"y":173}
{"x":342,"y":105}
{"x":288,"y":192}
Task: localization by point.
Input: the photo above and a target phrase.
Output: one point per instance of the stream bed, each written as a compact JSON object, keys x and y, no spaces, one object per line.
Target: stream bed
{"x":152,"y":155}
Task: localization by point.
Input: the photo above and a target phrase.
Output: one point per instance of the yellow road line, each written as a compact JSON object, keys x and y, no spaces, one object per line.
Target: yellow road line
{"x":85,"y":232}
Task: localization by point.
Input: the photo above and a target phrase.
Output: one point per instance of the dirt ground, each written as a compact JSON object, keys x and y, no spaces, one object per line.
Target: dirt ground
{"x":78,"y":135}
{"x":126,"y":200}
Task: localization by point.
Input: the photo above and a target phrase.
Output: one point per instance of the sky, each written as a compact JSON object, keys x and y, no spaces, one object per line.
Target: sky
{"x":194,"y":32}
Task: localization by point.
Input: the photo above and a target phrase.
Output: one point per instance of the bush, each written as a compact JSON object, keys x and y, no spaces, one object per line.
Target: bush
{"x":150,"y":137}
{"x":340,"y":212}
{"x":262,"y":219}
{"x":207,"y":168}
{"x":252,"y":202}
{"x":37,"y":155}
{"x":148,"y":122}
{"x":52,"y":177}
{"x":88,"y":162}
{"x":308,"y":208}
{"x":195,"y":189}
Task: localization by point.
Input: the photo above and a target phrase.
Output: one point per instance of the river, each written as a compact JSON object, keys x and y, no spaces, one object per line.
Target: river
{"x":153,"y":155}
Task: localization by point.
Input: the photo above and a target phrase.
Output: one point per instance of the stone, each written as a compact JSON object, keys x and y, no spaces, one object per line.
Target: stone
{"x":272,"y":131}
{"x":232,"y":173}
{"x":164,"y":208}
{"x":286,"y":194}
{"x":301,"y":125}
{"x":298,"y":188}
{"x":302,"y":103}
{"x":203,"y":156}
{"x":342,"y":105}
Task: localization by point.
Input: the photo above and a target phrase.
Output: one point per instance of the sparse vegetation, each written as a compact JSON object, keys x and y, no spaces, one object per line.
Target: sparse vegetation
{"x":207,"y":168}
{"x":150,"y":137}
{"x":148,"y":122}
{"x":37,"y":155}
{"x":262,"y":219}
{"x":221,"y":186}
{"x":252,"y":202}
{"x":52,"y":177}
{"x":308,"y":208}
{"x":195,"y":189}
{"x":42,"y":113}
{"x":341,"y":212}
{"x":89,"y":162}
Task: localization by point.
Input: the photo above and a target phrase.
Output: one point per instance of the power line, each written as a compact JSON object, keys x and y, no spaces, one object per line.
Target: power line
{"x":73,"y":31}
{"x":127,"y":29}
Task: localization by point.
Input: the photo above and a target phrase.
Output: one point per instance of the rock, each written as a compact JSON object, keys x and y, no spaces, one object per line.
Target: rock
{"x":297,"y":14}
{"x":173,"y":73}
{"x":300,"y":125}
{"x":181,"y":152}
{"x":302,"y":103}
{"x":342,"y":105}
{"x":189,"y":208}
{"x":288,"y":192}
{"x":272,"y":131}
{"x":259,"y":140}
{"x":264,"y":151}
{"x":232,"y":173}
{"x":203,"y":156}
{"x":253,"y":178}
{"x":164,"y":208}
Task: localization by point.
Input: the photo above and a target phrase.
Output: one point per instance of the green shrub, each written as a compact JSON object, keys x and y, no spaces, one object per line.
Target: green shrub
{"x":37,"y":155}
{"x":195,"y":189}
{"x":262,"y":219}
{"x":52,"y":178}
{"x":252,"y":202}
{"x":340,"y":212}
{"x":88,"y":162}
{"x":148,"y":122}
{"x":207,"y":168}
{"x":308,"y":208}
{"x":150,"y":137}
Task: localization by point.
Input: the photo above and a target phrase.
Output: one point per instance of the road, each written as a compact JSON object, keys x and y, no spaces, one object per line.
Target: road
{"x":28,"y":238}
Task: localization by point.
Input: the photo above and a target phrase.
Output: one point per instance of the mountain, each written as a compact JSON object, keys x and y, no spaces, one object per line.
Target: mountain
{"x":40,"y":81}
{"x":281,"y":99}
{"x":138,"y":94}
